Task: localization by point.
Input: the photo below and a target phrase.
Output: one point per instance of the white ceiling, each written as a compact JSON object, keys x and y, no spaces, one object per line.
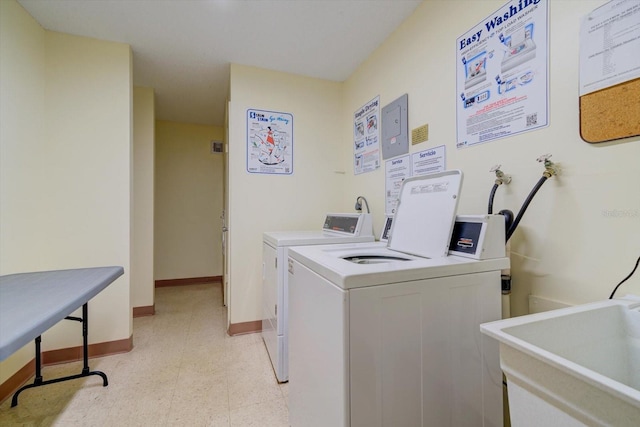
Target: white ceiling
{"x":183,"y":48}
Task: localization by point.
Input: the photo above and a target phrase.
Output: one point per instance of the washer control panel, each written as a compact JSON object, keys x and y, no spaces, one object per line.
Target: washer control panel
{"x":478,"y":236}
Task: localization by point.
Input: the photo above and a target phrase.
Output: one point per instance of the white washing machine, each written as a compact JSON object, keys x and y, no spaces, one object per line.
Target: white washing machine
{"x":388,"y":335}
{"x":337,"y":228}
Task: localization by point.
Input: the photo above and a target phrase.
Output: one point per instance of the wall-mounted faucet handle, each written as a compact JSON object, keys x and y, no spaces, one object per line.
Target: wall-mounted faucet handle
{"x":550,"y":168}
{"x":501,"y":177}
{"x":544,"y":158}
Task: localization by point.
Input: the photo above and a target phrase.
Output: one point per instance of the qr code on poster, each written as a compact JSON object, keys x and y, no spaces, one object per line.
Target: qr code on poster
{"x":532,"y":119}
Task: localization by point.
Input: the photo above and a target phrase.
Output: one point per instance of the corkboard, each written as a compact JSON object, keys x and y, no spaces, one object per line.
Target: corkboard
{"x":611,"y":113}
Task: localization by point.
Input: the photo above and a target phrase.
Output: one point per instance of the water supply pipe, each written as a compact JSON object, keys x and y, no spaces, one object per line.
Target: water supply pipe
{"x":358,"y":206}
{"x":501,"y":178}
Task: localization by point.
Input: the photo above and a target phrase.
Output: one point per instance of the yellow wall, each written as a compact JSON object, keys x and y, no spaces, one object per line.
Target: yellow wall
{"x":22,"y":80}
{"x":65,"y":148}
{"x":142,"y":282}
{"x":566,"y":248}
{"x":188,"y":202}
{"x":259,"y":203}
{"x":22,"y":58}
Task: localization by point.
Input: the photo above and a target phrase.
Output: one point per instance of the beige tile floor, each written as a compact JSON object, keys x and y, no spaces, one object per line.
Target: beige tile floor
{"x":184,"y":370}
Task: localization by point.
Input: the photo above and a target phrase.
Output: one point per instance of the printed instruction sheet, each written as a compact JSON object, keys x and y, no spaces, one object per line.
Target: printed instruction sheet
{"x":502,"y":74}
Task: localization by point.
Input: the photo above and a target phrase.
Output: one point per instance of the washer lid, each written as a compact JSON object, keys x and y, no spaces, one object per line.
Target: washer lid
{"x":425,"y":214}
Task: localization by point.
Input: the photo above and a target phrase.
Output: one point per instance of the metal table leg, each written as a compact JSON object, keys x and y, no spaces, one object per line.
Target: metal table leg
{"x":38,"y":381}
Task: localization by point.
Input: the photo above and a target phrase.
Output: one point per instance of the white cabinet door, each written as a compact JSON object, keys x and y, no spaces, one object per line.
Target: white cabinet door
{"x":269,"y":298}
{"x":416,"y":353}
{"x":318,"y":351}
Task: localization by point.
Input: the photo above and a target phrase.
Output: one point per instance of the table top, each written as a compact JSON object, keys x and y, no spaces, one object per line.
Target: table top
{"x":31,"y":303}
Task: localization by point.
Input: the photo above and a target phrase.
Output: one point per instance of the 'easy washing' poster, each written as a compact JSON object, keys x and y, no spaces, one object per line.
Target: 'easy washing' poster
{"x":502,"y":74}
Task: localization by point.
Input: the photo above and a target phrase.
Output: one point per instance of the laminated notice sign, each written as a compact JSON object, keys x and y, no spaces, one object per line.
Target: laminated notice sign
{"x":396,"y":171}
{"x":432,"y":160}
{"x":366,"y":137}
{"x":502,"y":74}
{"x":269,"y":142}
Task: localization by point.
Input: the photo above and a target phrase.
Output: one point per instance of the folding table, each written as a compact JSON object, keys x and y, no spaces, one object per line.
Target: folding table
{"x":31,"y":303}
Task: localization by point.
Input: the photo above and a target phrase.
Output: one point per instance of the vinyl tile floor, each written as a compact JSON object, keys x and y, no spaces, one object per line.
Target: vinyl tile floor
{"x":184,"y":370}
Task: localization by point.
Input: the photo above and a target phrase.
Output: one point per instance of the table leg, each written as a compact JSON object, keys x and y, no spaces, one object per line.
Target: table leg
{"x":38,"y":381}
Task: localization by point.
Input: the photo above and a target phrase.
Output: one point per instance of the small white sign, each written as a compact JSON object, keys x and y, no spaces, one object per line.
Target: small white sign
{"x":397,"y":170}
{"x":429,"y":161}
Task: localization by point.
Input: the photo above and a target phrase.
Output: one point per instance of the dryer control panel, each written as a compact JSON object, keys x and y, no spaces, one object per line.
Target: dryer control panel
{"x":356,"y":224}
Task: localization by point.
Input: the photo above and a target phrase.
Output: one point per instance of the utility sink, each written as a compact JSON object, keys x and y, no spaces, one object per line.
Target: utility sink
{"x":574,"y":366}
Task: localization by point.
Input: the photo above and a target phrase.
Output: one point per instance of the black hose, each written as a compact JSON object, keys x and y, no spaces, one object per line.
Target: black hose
{"x":524,"y":207}
{"x":491,"y":196}
{"x":625,"y":279}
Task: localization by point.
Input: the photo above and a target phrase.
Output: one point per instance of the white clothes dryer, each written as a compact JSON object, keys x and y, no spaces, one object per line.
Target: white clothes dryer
{"x":389,"y":335}
{"x":337,"y":229}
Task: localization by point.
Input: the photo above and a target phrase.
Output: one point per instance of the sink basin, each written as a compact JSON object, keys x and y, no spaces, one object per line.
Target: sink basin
{"x":574,"y":366}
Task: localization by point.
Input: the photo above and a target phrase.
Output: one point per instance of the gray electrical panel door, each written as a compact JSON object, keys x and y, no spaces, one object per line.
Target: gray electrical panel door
{"x":395,"y":139}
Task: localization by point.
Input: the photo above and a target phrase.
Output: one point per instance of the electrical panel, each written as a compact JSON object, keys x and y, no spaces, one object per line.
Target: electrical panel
{"x":395,"y":139}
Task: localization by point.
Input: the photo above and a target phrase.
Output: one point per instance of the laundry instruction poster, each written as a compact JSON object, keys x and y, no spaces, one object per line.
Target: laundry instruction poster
{"x":366,"y":137}
{"x":269,"y":142}
{"x":502,"y":74}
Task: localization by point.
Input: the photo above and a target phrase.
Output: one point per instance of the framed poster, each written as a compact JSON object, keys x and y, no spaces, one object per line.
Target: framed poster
{"x":269,"y":142}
